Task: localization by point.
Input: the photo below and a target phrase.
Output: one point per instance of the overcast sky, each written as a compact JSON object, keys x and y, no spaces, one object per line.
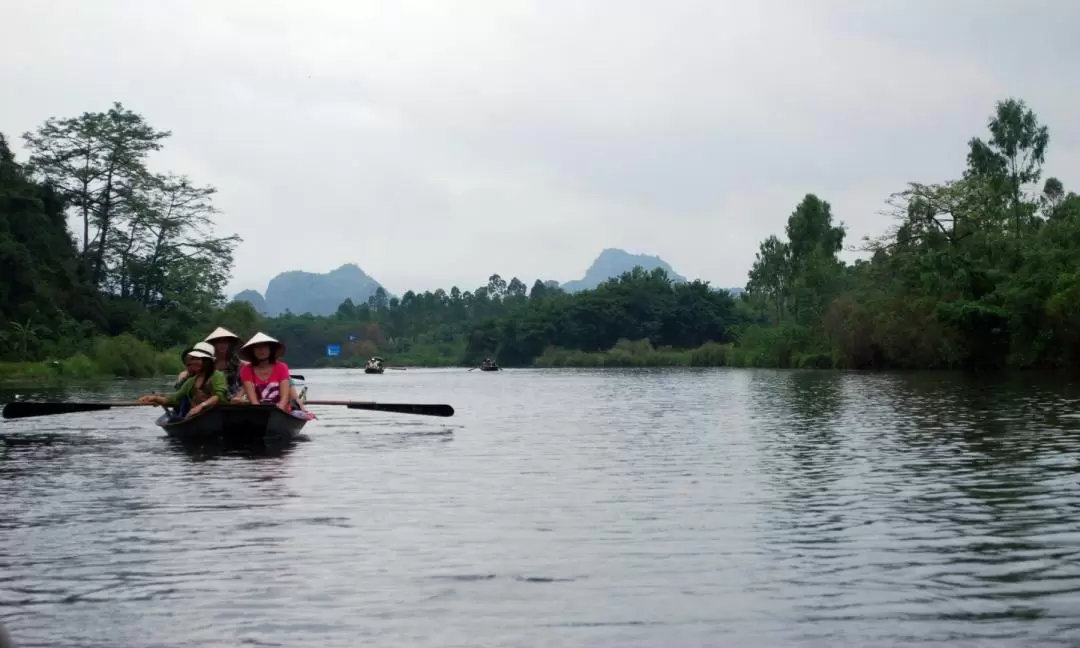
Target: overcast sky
{"x":434,"y":143}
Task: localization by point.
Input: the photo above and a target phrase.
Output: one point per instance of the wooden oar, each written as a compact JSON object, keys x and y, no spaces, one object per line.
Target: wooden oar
{"x":399,"y":408}
{"x":25,"y":409}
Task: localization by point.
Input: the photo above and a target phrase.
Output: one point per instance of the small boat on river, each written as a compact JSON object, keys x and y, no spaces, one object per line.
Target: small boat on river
{"x":374,"y":366}
{"x":489,"y":365}
{"x":235,"y":421}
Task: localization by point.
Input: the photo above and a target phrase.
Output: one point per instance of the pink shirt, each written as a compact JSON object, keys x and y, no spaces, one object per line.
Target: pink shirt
{"x":269,"y":390}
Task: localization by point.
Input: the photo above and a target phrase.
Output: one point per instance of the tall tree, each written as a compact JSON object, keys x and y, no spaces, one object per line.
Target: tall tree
{"x":1012,"y":157}
{"x":771,"y":274}
{"x":97,"y":161}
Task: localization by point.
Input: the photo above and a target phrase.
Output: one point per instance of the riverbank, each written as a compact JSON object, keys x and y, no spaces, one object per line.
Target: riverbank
{"x":641,"y":353}
{"x":123,"y":356}
{"x":416,"y":356}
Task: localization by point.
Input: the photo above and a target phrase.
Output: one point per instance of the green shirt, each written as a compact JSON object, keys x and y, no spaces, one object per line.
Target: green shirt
{"x":217,"y":385}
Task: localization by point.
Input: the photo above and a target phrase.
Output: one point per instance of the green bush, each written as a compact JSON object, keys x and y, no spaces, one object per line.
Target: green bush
{"x":126,"y":356}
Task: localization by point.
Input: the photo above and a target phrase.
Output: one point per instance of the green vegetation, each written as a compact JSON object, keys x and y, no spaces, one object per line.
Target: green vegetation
{"x":122,"y":356}
{"x":981,"y":272}
{"x":977,"y":273}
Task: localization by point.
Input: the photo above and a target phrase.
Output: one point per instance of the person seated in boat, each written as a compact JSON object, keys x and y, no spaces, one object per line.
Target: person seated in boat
{"x":225,"y":344}
{"x":204,"y":386}
{"x":266,"y":377}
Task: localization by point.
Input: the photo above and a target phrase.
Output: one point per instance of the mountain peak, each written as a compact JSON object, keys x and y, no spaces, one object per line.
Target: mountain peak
{"x":612,"y":262}
{"x":300,"y":292}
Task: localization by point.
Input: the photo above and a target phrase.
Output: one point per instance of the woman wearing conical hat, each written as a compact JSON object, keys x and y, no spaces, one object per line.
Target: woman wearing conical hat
{"x":204,"y":388}
{"x":266,"y":377}
{"x":226,"y":344}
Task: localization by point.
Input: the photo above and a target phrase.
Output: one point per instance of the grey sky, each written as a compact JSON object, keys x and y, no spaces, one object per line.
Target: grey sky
{"x":434,"y":143}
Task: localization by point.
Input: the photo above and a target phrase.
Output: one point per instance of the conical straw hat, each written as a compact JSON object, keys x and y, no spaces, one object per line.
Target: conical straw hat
{"x":221,"y":333}
{"x":260,"y":338}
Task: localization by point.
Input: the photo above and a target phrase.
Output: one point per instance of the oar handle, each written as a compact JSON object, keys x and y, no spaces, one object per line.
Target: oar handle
{"x":400,"y":408}
{"x":26,"y":409}
{"x":338,"y":402}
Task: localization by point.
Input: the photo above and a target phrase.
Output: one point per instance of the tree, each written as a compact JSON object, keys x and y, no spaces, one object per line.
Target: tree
{"x":1013,"y":156}
{"x":516,"y":288}
{"x":97,"y":161}
{"x":496,"y":286}
{"x":538,"y":291}
{"x":40,"y":278}
{"x":172,"y":226}
{"x":770,"y":275}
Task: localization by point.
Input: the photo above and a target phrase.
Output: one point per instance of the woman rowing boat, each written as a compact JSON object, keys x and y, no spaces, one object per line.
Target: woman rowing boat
{"x":266,"y":377}
{"x":205,"y":386}
{"x":225,"y":344}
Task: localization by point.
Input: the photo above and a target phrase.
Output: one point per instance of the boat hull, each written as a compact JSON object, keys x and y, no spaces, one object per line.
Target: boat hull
{"x":489,"y":368}
{"x":235,"y":422}
{"x":371,"y":370}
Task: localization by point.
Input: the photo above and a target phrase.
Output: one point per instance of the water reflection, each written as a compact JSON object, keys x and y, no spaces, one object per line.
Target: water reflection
{"x":211,"y":449}
{"x":571,"y":508}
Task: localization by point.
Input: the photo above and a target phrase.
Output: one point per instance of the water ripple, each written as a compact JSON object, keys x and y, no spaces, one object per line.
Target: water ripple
{"x":564,"y":507}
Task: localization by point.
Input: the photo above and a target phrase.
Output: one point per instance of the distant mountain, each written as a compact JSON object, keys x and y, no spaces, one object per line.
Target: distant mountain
{"x":310,"y":292}
{"x":612,"y":262}
{"x":253,"y":297}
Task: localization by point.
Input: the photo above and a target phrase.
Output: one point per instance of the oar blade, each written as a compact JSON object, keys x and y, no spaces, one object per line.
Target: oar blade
{"x":406,"y":408}
{"x":25,"y":409}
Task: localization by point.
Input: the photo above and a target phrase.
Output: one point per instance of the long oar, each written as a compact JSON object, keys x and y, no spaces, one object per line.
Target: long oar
{"x":25,"y":409}
{"x":399,"y":408}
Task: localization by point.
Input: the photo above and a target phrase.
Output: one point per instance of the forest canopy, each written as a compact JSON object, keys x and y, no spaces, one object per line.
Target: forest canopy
{"x":977,"y":272}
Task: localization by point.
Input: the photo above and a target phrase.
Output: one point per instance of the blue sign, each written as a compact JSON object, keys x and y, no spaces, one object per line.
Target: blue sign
{"x":333,"y":350}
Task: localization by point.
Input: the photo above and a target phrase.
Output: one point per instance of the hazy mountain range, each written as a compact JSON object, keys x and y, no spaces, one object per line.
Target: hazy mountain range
{"x":321,"y":293}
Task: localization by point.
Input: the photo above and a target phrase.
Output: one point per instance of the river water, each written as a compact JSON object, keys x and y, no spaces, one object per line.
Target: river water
{"x":561,"y":508}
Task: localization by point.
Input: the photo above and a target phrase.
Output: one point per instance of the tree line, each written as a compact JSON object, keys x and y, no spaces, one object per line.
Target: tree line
{"x":980,"y":272}
{"x":977,"y":273}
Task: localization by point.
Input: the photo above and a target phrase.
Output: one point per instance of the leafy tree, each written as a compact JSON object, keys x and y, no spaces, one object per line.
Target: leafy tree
{"x":1012,"y":157}
{"x":97,"y":161}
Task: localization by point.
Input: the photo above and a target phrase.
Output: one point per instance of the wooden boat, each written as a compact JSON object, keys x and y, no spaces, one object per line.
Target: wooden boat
{"x":235,"y":422}
{"x":490,"y":367}
{"x":374,"y":366}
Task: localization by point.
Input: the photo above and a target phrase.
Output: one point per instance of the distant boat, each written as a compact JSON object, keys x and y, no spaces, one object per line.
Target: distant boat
{"x":374,"y":366}
{"x":490,"y":365}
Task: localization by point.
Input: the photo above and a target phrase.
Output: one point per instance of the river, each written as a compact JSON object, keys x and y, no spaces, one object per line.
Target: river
{"x":612,"y":508}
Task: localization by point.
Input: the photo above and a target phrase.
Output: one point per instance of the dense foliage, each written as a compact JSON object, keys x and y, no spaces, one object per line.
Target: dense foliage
{"x":145,"y":261}
{"x":981,"y":272}
{"x":514,"y":325}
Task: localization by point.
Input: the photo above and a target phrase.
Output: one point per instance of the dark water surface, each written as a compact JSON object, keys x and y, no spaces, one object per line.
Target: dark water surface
{"x":562,"y":508}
